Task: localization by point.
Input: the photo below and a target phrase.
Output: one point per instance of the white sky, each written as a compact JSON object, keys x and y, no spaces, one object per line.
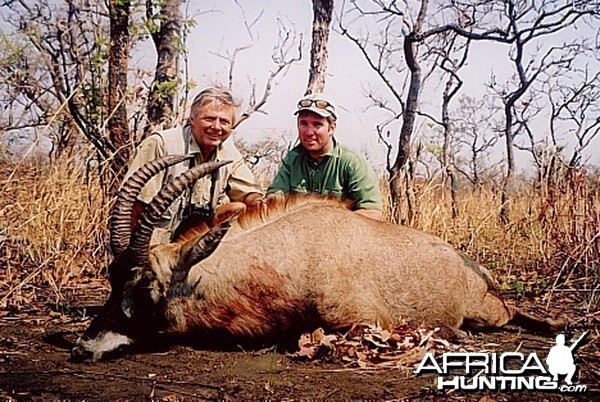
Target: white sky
{"x":348,"y":73}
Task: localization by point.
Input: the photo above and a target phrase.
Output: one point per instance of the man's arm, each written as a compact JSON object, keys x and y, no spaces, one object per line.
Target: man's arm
{"x":363,"y":189}
{"x":281,"y":184}
{"x":241,"y":183}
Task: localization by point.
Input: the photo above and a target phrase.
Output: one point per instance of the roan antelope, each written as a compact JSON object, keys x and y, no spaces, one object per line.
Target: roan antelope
{"x":305,"y":263}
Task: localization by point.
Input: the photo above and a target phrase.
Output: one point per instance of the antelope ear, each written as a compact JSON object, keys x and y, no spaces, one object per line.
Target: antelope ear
{"x":200,"y":247}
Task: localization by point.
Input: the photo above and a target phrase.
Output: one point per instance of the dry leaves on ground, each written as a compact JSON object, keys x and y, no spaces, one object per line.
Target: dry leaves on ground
{"x":373,"y":347}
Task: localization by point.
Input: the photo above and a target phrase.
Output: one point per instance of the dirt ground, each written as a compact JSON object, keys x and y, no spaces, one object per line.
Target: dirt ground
{"x":34,"y":365}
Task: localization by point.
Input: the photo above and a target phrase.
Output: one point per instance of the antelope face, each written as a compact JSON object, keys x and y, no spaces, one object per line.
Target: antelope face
{"x":108,"y":332}
{"x":136,"y":304}
{"x":132,"y":311}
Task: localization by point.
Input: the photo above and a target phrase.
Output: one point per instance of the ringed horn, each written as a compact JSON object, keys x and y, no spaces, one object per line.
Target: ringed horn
{"x":121,"y":237}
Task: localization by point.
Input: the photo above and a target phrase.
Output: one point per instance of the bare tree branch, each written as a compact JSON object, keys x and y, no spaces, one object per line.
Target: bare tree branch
{"x":283,"y":58}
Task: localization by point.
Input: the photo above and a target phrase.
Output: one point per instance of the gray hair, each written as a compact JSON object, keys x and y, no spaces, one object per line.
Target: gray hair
{"x":216,"y":94}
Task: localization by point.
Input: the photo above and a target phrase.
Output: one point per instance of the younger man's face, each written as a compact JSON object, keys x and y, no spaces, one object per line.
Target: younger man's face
{"x":315,"y":133}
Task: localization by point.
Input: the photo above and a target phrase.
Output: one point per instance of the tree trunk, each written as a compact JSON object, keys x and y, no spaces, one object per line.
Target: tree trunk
{"x":322,"y":12}
{"x":118,"y":57}
{"x":510,"y":166}
{"x":167,"y":40}
{"x":410,"y":111}
{"x":447,"y":171}
{"x":408,"y":124}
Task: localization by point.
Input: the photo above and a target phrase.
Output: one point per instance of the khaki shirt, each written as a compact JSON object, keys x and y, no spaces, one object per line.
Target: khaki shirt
{"x":233,"y":182}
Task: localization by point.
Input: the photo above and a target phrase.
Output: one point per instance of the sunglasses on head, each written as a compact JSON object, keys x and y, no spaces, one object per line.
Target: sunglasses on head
{"x":319,"y":103}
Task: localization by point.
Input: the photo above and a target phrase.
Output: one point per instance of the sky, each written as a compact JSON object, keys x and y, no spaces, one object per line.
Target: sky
{"x":220,"y":29}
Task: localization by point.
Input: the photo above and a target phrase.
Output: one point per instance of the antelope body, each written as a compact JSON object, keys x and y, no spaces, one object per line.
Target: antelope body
{"x":306,"y":263}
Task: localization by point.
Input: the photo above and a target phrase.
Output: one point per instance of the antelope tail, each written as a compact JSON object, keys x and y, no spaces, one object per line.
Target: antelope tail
{"x":536,"y":324}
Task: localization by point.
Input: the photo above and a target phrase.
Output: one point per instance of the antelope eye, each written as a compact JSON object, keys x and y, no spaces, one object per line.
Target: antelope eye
{"x":127,"y":307}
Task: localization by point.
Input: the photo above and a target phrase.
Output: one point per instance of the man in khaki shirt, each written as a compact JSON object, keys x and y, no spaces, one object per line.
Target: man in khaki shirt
{"x":214,"y":197}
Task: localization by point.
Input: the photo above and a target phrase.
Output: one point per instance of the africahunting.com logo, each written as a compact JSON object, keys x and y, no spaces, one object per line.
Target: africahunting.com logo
{"x":509,"y":371}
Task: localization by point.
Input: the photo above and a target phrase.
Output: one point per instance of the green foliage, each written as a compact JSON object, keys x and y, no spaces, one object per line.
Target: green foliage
{"x":154,"y":21}
{"x":99,"y":55}
{"x":434,"y":149}
{"x":516,"y":286}
{"x":153,"y":24}
{"x":167,"y":88}
{"x":191,"y":84}
{"x":11,"y":50}
{"x":122,"y":2}
{"x":188,"y":25}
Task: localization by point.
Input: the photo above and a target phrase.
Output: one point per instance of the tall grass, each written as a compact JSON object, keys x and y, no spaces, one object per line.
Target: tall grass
{"x":53,"y":230}
{"x":553,"y":239}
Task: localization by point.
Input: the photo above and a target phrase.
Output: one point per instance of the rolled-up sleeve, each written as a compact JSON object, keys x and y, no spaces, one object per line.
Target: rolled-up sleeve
{"x":241,"y":181}
{"x":363,"y":187}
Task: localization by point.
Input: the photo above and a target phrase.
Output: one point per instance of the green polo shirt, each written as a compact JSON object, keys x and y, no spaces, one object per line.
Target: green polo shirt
{"x":341,"y":172}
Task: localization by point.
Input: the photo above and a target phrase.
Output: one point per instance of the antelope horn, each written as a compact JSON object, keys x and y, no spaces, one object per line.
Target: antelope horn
{"x":140,"y":239}
{"x":120,"y":217}
{"x":200,"y":247}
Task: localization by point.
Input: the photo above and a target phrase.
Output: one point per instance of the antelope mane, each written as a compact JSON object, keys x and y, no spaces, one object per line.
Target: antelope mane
{"x":256,"y":216}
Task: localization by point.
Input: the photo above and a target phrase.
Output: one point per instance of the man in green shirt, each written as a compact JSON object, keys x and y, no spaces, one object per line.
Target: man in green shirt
{"x":319,"y":164}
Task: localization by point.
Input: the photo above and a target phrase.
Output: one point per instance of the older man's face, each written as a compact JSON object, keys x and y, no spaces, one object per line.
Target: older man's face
{"x":315,"y":133}
{"x":212,"y":125}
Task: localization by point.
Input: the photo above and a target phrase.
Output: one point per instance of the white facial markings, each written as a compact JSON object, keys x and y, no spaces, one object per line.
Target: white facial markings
{"x":107,"y":342}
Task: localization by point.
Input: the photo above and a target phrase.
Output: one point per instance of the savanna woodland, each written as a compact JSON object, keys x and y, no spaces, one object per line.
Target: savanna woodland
{"x":76,"y":98}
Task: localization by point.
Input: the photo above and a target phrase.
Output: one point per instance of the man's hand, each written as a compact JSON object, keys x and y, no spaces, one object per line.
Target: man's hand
{"x":253,"y":199}
{"x":274,"y":197}
{"x":257,"y":199}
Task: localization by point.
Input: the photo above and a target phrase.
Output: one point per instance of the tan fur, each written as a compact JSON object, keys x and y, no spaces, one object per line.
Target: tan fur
{"x":311,"y":260}
{"x":259,"y":214}
{"x":297,"y":265}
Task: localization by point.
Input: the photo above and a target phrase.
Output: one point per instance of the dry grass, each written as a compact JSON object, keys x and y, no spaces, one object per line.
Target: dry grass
{"x":53,"y":232}
{"x":551,"y":244}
